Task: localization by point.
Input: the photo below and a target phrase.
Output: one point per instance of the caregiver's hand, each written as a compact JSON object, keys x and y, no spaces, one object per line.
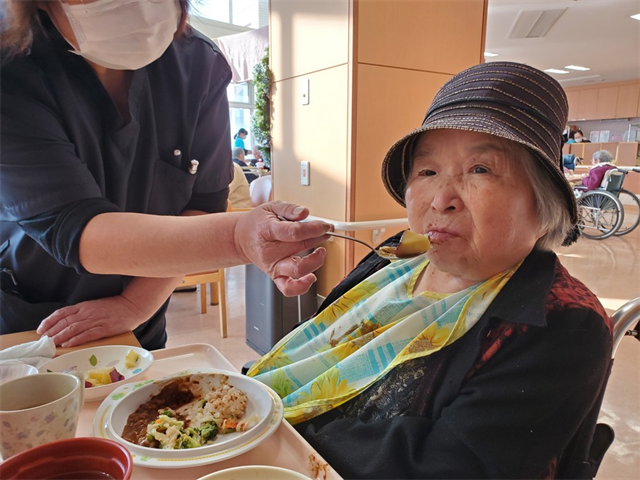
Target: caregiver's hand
{"x":271,"y":236}
{"x":92,"y":320}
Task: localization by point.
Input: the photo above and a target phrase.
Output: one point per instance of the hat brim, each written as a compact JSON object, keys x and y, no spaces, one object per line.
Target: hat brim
{"x":397,"y":162}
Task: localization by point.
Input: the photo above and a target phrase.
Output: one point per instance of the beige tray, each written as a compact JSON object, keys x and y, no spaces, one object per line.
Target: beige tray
{"x":285,"y":448}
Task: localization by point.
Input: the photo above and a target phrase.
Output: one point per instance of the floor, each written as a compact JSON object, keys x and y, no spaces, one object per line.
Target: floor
{"x":610,"y":268}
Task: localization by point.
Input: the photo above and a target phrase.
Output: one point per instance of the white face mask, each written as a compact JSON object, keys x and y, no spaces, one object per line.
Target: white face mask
{"x":578,"y":139}
{"x":123,"y":34}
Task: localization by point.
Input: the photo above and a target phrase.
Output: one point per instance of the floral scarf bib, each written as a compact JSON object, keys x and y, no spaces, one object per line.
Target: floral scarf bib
{"x":371,"y":329}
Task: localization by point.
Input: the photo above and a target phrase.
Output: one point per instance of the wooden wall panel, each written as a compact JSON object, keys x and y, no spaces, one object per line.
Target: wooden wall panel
{"x":627,"y":156}
{"x":588,"y":104}
{"x":607,"y":102}
{"x":577,"y":149}
{"x":628,"y":98}
{"x":307,"y":36}
{"x":373,"y":66}
{"x":315,"y":133}
{"x":436,"y":35}
{"x":612,"y":100}
{"x":391,"y":102}
{"x":589,"y":150}
{"x":627,"y":153}
{"x":572,"y":99}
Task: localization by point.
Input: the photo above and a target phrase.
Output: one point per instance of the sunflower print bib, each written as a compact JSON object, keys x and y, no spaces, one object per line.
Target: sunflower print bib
{"x":371,"y":329}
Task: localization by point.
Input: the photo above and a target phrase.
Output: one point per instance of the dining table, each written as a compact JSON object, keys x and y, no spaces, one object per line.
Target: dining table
{"x":285,"y":447}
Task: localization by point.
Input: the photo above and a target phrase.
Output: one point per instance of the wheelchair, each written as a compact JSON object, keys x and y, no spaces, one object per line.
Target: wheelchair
{"x":609,"y":210}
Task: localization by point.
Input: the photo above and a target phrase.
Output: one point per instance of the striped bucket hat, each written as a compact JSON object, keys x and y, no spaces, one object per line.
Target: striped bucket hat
{"x":506,"y":99}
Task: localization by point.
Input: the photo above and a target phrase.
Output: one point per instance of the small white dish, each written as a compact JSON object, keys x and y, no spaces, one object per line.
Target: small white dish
{"x":101,"y":357}
{"x":9,"y":371}
{"x":255,"y":472}
{"x":263,"y":404}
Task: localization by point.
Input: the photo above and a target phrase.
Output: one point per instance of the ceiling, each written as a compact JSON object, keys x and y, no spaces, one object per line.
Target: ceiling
{"x":598,"y":34}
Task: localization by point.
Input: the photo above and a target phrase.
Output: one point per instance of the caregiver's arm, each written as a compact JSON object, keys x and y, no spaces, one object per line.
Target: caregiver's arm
{"x":164,"y":246}
{"x":105,"y":317}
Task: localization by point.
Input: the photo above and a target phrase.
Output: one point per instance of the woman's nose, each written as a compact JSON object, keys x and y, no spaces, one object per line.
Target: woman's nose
{"x":447,"y":197}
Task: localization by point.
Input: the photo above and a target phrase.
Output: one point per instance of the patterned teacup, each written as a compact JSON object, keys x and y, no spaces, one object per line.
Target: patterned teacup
{"x":38,"y":409}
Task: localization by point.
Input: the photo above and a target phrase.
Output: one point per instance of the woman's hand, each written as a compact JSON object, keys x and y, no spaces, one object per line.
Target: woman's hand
{"x":271,"y":236}
{"x":92,"y":320}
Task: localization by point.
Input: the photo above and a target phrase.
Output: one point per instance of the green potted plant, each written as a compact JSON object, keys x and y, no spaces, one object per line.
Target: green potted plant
{"x":261,"y":119}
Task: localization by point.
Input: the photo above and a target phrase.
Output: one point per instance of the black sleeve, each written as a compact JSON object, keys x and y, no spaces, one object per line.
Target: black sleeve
{"x":211,"y":202}
{"x":510,"y":420}
{"x":58,"y":231}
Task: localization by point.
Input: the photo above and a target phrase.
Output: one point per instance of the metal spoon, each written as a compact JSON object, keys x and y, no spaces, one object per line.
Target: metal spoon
{"x":389,"y":252}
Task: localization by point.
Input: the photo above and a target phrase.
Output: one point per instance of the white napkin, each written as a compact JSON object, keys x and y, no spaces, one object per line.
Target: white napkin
{"x":33,"y":353}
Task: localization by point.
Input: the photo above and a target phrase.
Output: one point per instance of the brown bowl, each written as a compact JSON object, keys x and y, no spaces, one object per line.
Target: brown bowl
{"x":83,"y":458}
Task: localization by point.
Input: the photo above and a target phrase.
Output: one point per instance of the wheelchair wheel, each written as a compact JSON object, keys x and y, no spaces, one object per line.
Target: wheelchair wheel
{"x":601,"y":214}
{"x":631,"y":206}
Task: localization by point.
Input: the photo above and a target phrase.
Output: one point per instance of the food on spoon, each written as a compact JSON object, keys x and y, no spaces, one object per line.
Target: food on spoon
{"x":411,"y":245}
{"x":102,"y":376}
{"x":188,"y":412}
{"x":131,"y":359}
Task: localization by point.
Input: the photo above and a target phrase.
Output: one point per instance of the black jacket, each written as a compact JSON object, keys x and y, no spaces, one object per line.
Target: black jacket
{"x":516,"y":397}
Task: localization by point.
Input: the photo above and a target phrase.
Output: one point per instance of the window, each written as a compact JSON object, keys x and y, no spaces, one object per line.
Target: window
{"x":241,"y":106}
{"x":244,"y":13}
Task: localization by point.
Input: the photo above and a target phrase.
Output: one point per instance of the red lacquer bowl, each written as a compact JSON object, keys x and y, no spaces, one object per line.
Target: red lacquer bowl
{"x":81,"y":458}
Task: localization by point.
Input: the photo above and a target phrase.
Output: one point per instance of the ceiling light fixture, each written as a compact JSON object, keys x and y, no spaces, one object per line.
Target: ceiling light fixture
{"x":577,"y":68}
{"x":555,"y":70}
{"x":534,"y":23}
{"x":489,"y":54}
{"x":636,"y":16}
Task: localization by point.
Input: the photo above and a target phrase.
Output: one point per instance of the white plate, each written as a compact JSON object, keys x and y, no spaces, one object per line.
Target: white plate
{"x":263,"y":404}
{"x":101,"y":357}
{"x":255,"y":472}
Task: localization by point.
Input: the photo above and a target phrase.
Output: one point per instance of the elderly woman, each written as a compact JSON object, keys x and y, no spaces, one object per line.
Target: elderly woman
{"x":602,"y":162}
{"x":482,"y":358}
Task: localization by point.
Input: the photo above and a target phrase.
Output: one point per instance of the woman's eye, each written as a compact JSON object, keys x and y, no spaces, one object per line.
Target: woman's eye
{"x":426,"y":173}
{"x":479,"y":169}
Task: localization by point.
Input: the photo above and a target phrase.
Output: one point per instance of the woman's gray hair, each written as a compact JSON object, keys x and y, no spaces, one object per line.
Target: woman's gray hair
{"x":602,"y":156}
{"x":553,"y":216}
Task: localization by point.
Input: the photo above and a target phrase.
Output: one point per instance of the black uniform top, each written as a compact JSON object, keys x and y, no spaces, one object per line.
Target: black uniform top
{"x":67,"y":154}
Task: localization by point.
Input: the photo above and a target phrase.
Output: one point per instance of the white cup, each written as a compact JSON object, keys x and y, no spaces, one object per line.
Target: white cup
{"x":38,"y":409}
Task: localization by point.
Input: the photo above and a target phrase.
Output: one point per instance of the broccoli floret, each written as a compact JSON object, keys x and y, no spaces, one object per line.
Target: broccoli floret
{"x":187,"y":441}
{"x":208,"y":431}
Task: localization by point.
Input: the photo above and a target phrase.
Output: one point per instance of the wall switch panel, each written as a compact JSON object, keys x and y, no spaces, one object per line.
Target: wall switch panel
{"x":304,"y":173}
{"x":304,"y":88}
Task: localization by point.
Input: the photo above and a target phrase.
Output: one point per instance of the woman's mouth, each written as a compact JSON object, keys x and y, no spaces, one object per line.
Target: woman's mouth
{"x":440,"y":235}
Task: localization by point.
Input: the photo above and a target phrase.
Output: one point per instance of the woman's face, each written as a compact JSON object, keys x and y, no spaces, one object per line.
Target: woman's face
{"x":470,"y":194}
{"x":577,"y":137}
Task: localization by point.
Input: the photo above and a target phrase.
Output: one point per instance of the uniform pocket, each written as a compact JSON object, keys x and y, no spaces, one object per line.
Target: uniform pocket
{"x":171,"y":191}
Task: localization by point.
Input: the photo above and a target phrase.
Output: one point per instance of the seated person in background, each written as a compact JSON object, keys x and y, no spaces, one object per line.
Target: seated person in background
{"x":484,"y":357}
{"x":239,"y":189}
{"x":238,"y":158}
{"x":257,"y":154}
{"x":569,"y":162}
{"x":578,"y":137}
{"x":602,"y":162}
{"x":257,"y":157}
